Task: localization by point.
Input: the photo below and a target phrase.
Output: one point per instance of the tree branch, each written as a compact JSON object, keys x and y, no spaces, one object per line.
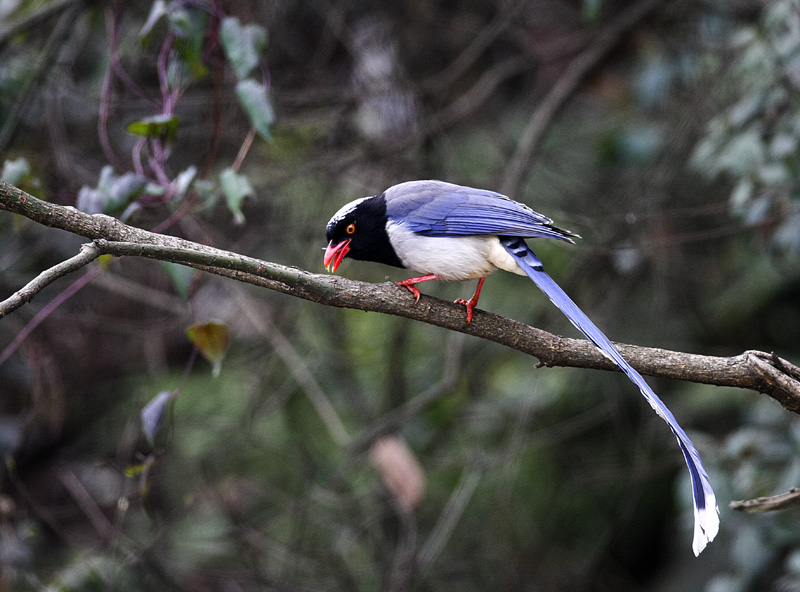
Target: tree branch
{"x":768,"y":504}
{"x":87,"y":254}
{"x":758,"y":371}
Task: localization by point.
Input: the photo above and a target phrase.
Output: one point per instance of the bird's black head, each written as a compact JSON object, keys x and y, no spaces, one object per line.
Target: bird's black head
{"x":359,"y":230}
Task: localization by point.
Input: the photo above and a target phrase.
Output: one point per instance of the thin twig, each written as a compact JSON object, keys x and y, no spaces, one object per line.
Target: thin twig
{"x":29,"y":20}
{"x":768,"y":504}
{"x":40,"y":510}
{"x":402,"y":568}
{"x":478,"y":93}
{"x":394,"y":419}
{"x":113,"y":18}
{"x":300,"y":371}
{"x":86,"y":502}
{"x":52,"y":306}
{"x":244,"y":149}
{"x":483,"y":39}
{"x":215,"y":60}
{"x":563,"y":89}
{"x":87,"y":254}
{"x":43,"y":64}
{"x":448,"y":519}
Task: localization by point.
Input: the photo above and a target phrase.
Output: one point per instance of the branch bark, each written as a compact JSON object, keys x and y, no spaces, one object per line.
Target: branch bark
{"x":87,"y":254}
{"x":768,"y":504}
{"x":759,"y":371}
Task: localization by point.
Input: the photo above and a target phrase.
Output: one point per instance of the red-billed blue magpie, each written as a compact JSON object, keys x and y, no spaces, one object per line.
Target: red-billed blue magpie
{"x":451,"y":232}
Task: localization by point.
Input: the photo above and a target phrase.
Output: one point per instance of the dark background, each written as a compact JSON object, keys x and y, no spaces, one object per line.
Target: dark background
{"x":674,"y":157}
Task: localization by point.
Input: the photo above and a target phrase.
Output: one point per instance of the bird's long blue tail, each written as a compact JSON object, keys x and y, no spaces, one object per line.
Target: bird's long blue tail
{"x":706,"y":517}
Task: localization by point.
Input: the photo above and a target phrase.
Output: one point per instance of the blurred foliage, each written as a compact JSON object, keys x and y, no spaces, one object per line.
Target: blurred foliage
{"x":754,"y":141}
{"x":130,"y":466}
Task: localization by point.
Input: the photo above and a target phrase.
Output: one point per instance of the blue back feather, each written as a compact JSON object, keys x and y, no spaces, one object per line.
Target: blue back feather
{"x":435,"y":208}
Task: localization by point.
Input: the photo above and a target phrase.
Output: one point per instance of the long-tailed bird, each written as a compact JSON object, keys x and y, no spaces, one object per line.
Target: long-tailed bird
{"x":450,"y":232}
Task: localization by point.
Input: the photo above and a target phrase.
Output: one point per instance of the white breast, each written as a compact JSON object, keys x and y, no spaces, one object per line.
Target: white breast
{"x":451,"y":258}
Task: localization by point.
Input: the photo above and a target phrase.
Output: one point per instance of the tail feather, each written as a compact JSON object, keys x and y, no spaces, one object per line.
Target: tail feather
{"x":706,"y":513}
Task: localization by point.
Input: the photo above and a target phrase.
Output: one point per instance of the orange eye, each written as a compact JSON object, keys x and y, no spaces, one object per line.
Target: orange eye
{"x":351,"y":228}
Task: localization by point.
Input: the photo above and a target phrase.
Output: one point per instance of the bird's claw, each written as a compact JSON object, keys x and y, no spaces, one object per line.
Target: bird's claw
{"x":411,"y":283}
{"x":470,"y":305}
{"x":413,"y":289}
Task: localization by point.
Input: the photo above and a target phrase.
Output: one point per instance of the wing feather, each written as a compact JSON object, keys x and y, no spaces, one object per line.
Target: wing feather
{"x":435,"y":208}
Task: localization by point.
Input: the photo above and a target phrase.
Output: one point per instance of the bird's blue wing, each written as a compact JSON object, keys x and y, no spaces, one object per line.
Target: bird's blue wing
{"x":435,"y":208}
{"x":706,"y":518}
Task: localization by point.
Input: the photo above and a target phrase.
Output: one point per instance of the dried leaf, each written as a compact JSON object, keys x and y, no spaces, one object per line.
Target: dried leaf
{"x":211,"y":339}
{"x":399,"y":469}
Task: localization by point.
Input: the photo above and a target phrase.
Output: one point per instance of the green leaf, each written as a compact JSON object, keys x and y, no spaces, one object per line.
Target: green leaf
{"x":189,"y":24}
{"x":180,"y":21}
{"x":591,"y":10}
{"x":235,"y":187}
{"x":135,"y":470}
{"x":744,"y":154}
{"x":243,"y":45}
{"x":158,"y":10}
{"x":211,"y":339}
{"x":155,"y":126}
{"x":206,"y":192}
{"x":181,"y":277}
{"x":127,"y":187}
{"x":104,"y":262}
{"x":112,"y":194}
{"x":154,"y":190}
{"x":256,"y":105}
{"x":16,"y":172}
{"x":142,"y":470}
{"x":742,"y":194}
{"x":89,"y":200}
{"x":184,"y":181}
{"x":153,"y":413}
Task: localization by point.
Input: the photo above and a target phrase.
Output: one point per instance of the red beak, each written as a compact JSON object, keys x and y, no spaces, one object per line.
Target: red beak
{"x":335,"y":253}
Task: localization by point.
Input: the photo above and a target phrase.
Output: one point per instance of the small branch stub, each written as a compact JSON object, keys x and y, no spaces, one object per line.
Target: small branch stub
{"x":768,"y":504}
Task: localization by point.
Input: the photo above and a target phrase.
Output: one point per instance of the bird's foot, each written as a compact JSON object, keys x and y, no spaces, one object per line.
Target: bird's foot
{"x":413,"y":289}
{"x":472,"y":302}
{"x":410,"y":284}
{"x":470,"y":305}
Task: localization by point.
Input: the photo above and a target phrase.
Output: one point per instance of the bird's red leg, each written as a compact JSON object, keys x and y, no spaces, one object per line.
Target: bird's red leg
{"x":472,"y":302}
{"x":411,"y":282}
